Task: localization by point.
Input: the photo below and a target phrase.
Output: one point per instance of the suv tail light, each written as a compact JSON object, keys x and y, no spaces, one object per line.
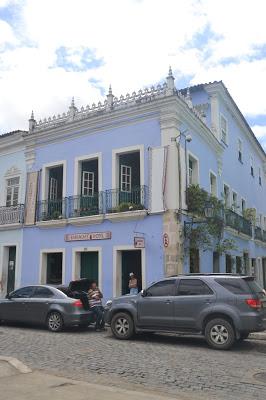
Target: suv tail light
{"x":78,"y":303}
{"x":254,"y":303}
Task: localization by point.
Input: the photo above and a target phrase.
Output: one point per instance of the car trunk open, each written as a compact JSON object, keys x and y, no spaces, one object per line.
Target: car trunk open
{"x":78,"y":290}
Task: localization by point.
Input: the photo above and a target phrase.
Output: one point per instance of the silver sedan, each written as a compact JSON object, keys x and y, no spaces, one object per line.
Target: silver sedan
{"x":46,"y":305}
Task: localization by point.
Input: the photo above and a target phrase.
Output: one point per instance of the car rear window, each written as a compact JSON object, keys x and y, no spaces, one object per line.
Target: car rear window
{"x":240,"y":285}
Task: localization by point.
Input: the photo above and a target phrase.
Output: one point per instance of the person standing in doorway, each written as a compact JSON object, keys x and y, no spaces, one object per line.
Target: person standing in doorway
{"x":95,"y":303}
{"x":133,"y":284}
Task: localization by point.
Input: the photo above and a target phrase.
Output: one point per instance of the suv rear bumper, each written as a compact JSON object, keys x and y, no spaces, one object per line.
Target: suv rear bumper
{"x":253,"y":324}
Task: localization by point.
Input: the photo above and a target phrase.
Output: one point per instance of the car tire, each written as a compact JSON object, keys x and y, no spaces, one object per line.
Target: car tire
{"x":220,"y":334}
{"x":122,"y":326}
{"x":55,"y":321}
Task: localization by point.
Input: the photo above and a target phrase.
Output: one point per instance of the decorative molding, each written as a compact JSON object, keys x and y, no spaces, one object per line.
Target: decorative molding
{"x":53,"y":223}
{"x":89,"y":220}
{"x":126,"y":216}
{"x":13,"y":171}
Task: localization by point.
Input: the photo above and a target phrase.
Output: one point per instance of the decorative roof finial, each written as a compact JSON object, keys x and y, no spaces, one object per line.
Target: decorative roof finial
{"x":110,"y":98}
{"x":32,"y":122}
{"x":170,"y":82}
{"x":189,"y":98}
{"x":72,"y":109}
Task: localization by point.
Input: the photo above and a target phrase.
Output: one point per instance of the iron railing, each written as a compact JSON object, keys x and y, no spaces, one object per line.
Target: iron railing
{"x":238,"y":222}
{"x":12,"y":215}
{"x":82,"y":206}
{"x":118,"y":201}
{"x":258,"y":233}
{"x":51,"y":209}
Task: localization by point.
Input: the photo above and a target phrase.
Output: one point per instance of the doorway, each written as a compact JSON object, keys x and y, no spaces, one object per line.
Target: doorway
{"x":89,"y":265}
{"x":130,"y":262}
{"x":216,"y":262}
{"x":11,"y":270}
{"x":194,"y":261}
{"x":228,"y":264}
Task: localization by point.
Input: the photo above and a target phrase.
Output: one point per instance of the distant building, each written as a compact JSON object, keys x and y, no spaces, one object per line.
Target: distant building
{"x":107,"y":188}
{"x":12,"y":195}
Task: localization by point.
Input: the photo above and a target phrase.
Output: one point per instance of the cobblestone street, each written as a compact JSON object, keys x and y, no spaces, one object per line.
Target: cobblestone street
{"x":169,"y":364}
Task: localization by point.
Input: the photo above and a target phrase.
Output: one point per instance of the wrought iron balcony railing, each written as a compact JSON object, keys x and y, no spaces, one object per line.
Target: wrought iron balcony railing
{"x":82,"y":206}
{"x":258,"y":233}
{"x":238,"y":222}
{"x":12,"y":215}
{"x":51,"y":210}
{"x":118,"y":201}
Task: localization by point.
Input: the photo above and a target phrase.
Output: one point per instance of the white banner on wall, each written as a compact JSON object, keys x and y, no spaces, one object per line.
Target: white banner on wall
{"x":31,"y":197}
{"x":158,"y":162}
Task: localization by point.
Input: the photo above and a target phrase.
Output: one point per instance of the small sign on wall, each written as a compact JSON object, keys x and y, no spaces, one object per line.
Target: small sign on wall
{"x":166,"y":240}
{"x":139,"y":242}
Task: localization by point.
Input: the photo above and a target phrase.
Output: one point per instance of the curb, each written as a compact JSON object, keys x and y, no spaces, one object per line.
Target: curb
{"x":22,"y":368}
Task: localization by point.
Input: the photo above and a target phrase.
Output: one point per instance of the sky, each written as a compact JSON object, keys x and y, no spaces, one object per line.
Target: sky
{"x":51,"y":50}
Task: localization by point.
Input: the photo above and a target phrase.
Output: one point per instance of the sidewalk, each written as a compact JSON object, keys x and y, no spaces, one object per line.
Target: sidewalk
{"x":17,"y":382}
{"x":258,"y":335}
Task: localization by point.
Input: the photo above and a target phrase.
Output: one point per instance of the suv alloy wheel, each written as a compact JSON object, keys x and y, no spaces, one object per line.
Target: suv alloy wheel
{"x":220,"y":334}
{"x":55,"y":321}
{"x":122,"y":326}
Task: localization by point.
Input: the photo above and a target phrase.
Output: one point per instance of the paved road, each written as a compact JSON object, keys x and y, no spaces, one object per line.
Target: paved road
{"x":169,"y":364}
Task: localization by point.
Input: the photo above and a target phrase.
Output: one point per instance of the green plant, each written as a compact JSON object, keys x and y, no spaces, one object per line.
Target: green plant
{"x":250,"y":215}
{"x":207,"y":234}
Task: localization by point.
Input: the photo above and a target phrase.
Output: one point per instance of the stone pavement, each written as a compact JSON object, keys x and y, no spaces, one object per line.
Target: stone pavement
{"x":170,"y":365}
{"x":16,"y":384}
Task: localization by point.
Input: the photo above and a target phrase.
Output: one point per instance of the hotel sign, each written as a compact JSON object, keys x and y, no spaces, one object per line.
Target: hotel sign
{"x":72,"y":237}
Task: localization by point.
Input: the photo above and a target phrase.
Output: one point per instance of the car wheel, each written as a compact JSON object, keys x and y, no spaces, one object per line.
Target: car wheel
{"x":55,"y":321}
{"x":122,"y":326}
{"x":220,"y":334}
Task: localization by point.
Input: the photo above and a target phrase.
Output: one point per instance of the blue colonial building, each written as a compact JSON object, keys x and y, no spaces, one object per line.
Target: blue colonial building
{"x":107,"y":188}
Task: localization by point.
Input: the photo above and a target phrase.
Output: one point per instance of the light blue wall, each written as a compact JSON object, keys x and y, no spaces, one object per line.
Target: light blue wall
{"x":145,"y":133}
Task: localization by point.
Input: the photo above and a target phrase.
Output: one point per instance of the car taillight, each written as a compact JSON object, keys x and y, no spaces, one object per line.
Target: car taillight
{"x":254,"y":303}
{"x":78,"y":303}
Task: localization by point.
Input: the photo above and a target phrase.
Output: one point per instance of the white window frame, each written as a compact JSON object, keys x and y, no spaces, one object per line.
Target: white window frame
{"x":12,"y":187}
{"x":77,"y":172}
{"x":222,"y":132}
{"x":45,"y":178}
{"x":43,"y":264}
{"x":212,"y":174}
{"x":115,"y":163}
{"x":252,"y":167}
{"x":240,"y":150}
{"x":126,"y":178}
{"x":234,"y":205}
{"x":53,"y":189}
{"x":195,"y":170}
{"x":260,"y":178}
{"x":88,"y":178}
{"x":245,"y":202}
{"x":229,"y":195}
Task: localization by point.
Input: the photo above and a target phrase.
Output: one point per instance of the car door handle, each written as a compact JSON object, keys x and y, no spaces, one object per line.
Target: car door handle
{"x":168,"y":301}
{"x":208,"y":301}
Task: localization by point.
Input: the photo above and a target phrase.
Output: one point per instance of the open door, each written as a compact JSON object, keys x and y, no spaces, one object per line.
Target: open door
{"x":131,"y":262}
{"x":11,"y":272}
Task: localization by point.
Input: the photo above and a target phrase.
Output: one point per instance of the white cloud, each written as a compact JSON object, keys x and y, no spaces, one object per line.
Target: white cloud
{"x":259,"y":130}
{"x":137,"y":40}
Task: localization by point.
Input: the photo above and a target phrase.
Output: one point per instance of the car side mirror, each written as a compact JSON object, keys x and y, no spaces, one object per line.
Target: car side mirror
{"x":8,"y":296}
{"x":144,"y":293}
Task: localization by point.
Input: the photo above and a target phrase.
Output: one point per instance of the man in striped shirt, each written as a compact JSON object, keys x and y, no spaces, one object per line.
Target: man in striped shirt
{"x":95,"y":303}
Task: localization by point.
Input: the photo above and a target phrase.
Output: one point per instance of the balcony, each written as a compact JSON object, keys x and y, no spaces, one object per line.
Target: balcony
{"x":237,"y":222}
{"x":12,"y":215}
{"x":118,"y":201}
{"x":84,"y":206}
{"x":48,"y":210}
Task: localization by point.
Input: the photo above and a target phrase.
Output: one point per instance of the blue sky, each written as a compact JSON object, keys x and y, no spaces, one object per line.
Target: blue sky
{"x":51,"y":50}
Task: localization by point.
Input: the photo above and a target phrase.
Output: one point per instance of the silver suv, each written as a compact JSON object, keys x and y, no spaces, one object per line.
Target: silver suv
{"x":224,"y":308}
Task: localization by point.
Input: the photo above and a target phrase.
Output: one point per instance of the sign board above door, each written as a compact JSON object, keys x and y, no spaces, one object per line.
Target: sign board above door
{"x":139,"y":242}
{"x":71,"y":237}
